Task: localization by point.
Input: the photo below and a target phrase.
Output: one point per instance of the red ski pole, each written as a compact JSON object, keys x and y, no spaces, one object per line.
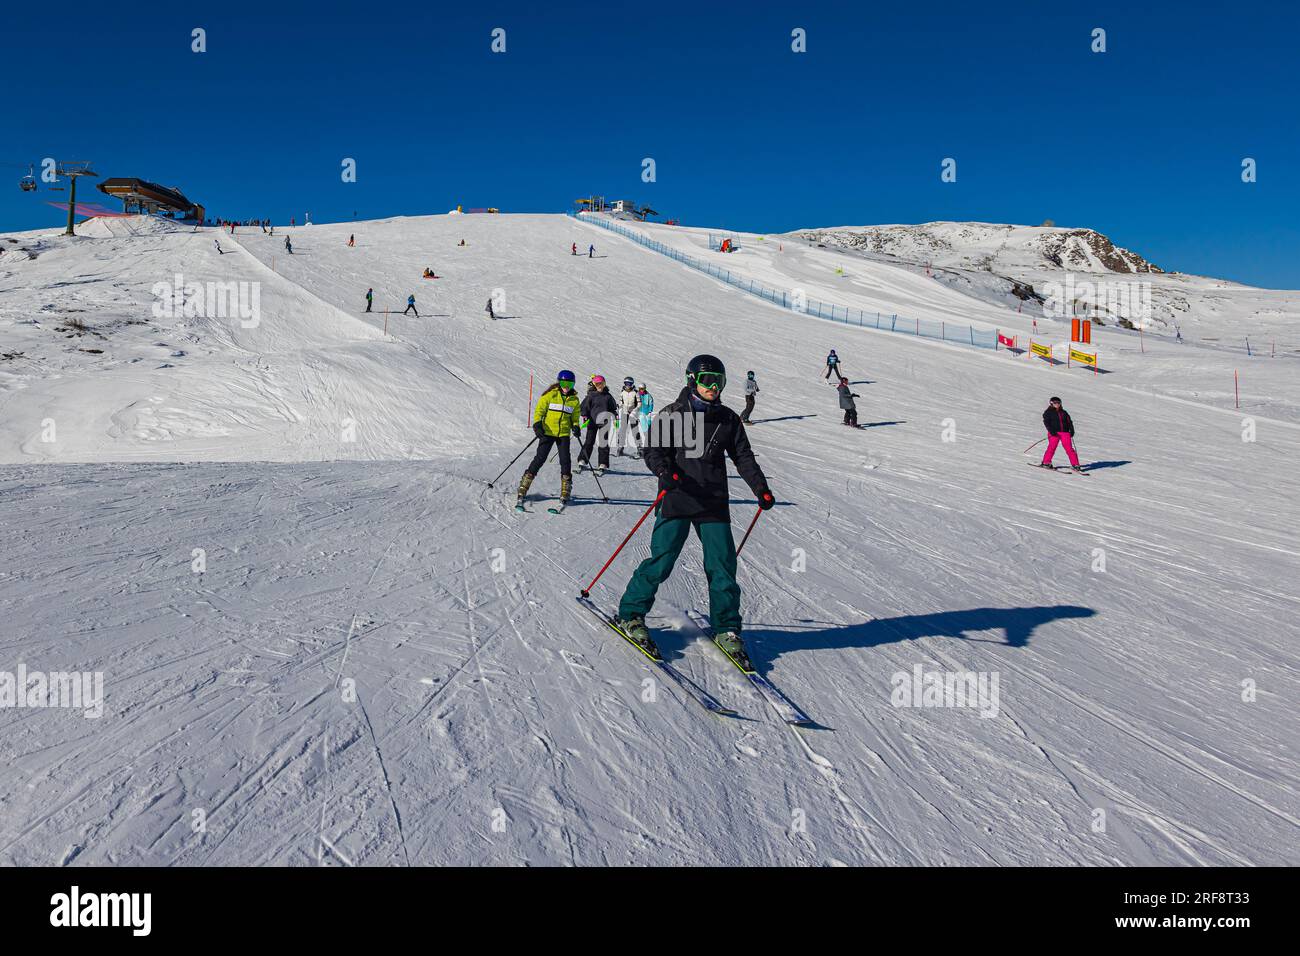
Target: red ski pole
{"x":586,"y":592}
{"x":748,"y":530}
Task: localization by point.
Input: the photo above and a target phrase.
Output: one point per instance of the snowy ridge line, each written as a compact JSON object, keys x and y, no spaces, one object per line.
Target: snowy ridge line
{"x":919,"y":328}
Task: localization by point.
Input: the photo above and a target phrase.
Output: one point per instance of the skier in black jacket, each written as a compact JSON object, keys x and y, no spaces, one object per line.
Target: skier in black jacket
{"x":693,"y":475}
{"x":600,"y":410}
{"x":1060,"y":430}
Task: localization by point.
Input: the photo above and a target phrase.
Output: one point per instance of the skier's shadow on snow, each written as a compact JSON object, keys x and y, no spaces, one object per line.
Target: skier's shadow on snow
{"x":1017,"y":624}
{"x":1106,"y":464}
{"x":880,"y":424}
{"x":783,"y":418}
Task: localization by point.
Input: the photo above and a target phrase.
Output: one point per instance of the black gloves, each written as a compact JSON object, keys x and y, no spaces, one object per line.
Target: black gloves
{"x":668,"y":480}
{"x":765,"y":499}
{"x":539,"y":430}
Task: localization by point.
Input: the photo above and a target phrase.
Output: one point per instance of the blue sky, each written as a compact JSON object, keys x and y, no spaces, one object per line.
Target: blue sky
{"x":1143,"y":142}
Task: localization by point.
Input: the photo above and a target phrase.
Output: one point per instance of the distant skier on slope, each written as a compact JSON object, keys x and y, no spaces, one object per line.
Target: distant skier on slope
{"x":846,"y":402}
{"x":1060,"y":430}
{"x":629,"y":411}
{"x":352,"y":240}
{"x":370,"y":298}
{"x":491,"y":315}
{"x":574,"y":250}
{"x":554,"y":419}
{"x":219,"y":251}
{"x":832,"y":365}
{"x":410,"y":306}
{"x":599,"y":409}
{"x":591,"y":252}
{"x":751,"y":389}
{"x":696,"y":495}
{"x":288,"y":245}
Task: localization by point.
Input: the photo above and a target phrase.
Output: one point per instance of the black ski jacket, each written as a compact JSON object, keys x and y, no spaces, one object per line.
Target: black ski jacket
{"x":1058,"y":420}
{"x":597,"y":404}
{"x":703,"y":494}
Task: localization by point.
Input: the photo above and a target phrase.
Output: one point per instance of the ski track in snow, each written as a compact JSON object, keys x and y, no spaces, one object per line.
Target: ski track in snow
{"x":494,"y":720}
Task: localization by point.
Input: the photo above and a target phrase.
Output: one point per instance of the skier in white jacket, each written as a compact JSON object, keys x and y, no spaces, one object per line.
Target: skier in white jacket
{"x":751,"y":389}
{"x":629,"y":415}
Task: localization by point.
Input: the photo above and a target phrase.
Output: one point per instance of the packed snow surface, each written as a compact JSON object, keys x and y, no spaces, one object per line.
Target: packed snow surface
{"x":318,"y":626}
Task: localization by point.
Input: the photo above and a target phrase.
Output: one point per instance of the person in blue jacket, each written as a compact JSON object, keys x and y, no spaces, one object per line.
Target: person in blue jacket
{"x":833,"y":365}
{"x":643,"y":422}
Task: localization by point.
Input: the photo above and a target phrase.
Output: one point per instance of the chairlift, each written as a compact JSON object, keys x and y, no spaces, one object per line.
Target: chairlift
{"x":28,"y":183}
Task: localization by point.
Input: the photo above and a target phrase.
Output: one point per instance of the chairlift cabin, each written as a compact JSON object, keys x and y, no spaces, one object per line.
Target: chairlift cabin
{"x":28,"y":183}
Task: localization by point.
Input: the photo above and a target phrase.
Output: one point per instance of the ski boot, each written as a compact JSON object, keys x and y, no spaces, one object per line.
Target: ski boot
{"x":1077,"y":469}
{"x":599,"y":471}
{"x":566,"y":486}
{"x":634,"y":630}
{"x":729,"y":643}
{"x":524,"y":484}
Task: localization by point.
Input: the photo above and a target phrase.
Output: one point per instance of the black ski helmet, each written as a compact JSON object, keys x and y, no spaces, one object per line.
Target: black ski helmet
{"x":706,"y":363}
{"x":749,"y":374}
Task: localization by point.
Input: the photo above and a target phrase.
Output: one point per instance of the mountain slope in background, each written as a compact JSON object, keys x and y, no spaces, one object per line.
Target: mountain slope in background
{"x":1008,"y":264}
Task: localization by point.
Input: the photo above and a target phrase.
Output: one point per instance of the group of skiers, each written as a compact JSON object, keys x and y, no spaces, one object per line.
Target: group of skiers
{"x":612,"y":420}
{"x":591,"y":251}
{"x":693,"y":486}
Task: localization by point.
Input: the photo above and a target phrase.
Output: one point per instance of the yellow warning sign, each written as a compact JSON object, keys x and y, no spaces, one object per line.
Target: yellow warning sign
{"x":1083,"y":358}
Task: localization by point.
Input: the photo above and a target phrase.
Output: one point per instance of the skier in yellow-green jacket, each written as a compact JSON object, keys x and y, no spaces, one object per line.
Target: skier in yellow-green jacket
{"x":554,"y":419}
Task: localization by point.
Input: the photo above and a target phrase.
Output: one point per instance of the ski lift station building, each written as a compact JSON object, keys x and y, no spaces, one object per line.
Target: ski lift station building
{"x":141,"y":196}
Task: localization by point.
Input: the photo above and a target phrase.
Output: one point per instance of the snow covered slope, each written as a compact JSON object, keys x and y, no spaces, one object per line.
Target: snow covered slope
{"x":103,"y":363}
{"x":999,"y":262}
{"x":1200,"y":370}
{"x":1156,"y":690}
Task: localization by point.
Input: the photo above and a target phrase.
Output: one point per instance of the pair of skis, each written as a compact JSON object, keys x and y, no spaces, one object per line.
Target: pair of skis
{"x":555,"y":509}
{"x":787,"y":711}
{"x":1061,"y":470}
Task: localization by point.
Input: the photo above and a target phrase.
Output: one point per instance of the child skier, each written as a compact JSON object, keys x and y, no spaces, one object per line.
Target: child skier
{"x":410,"y":306}
{"x":288,"y":245}
{"x":1060,"y":430}
{"x":696,"y":495}
{"x":832,"y":365}
{"x":751,"y":389}
{"x":574,"y":249}
{"x":491,"y":315}
{"x":629,"y":411}
{"x":647,"y":409}
{"x":352,"y":240}
{"x":591,"y":252}
{"x":370,"y":298}
{"x":599,"y":409}
{"x":554,"y":419}
{"x":847,"y":403}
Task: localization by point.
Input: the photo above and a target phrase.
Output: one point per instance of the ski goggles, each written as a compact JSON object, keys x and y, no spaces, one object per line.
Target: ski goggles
{"x":565,"y":386}
{"x":715,"y":380}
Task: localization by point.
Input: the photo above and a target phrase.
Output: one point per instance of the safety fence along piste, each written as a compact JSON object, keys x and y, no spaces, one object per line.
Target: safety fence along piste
{"x":796,"y":301}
